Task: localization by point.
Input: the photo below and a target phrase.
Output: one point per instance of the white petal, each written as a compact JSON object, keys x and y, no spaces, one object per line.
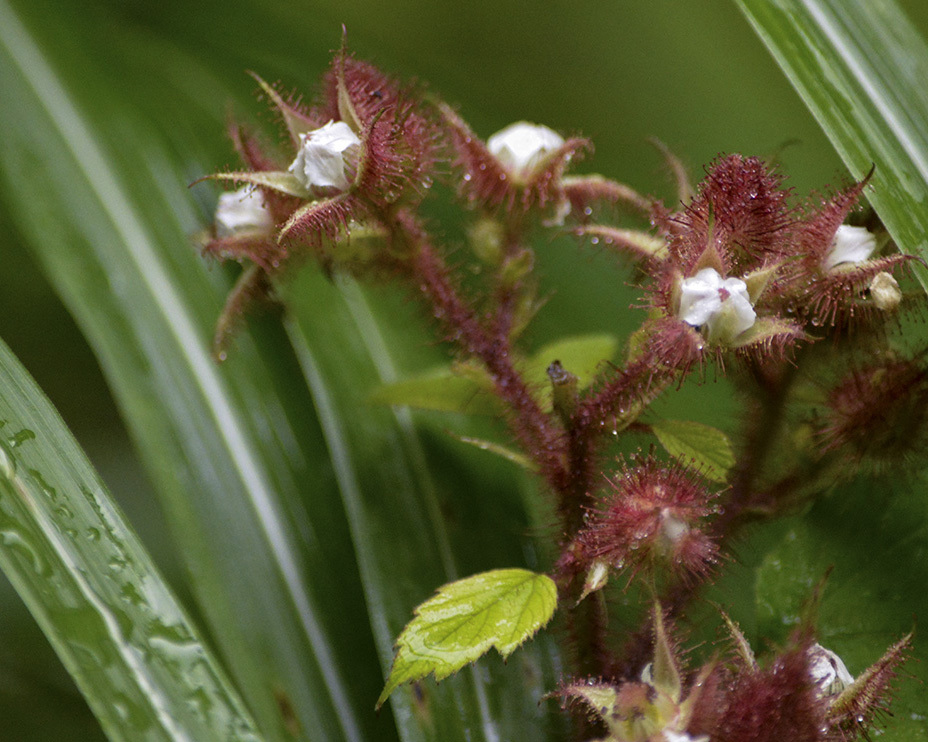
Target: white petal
{"x":240,"y":210}
{"x":673,"y":736}
{"x":722,"y":306}
{"x":850,"y":245}
{"x":521,"y":146}
{"x":829,"y":674}
{"x":320,"y":163}
{"x":699,"y":297}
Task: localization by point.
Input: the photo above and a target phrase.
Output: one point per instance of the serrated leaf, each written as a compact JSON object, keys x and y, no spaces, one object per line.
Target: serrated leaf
{"x":694,"y":444}
{"x":466,"y":618}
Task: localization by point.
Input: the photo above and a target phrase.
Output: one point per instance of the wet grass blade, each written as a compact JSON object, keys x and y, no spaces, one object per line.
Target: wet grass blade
{"x":94,"y":589}
{"x":861,"y":67}
{"x":103,"y":202}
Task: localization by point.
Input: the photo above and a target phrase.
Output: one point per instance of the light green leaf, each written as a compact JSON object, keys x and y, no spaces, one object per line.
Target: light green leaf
{"x":861,"y":68}
{"x":465,"y":619}
{"x":694,"y":444}
{"x":441,"y":390}
{"x":583,"y":356}
{"x":94,"y":590}
{"x":469,"y":389}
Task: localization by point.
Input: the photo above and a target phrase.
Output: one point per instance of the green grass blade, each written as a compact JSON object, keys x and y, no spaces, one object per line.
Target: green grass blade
{"x":400,"y":524}
{"x":861,"y":68}
{"x":93,"y":588}
{"x":104,"y":205}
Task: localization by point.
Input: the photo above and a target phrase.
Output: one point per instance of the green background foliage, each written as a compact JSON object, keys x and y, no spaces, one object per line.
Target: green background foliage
{"x":154,"y":82}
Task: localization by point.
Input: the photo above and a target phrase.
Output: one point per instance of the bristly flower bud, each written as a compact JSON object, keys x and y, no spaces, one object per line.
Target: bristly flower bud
{"x":242,"y":211}
{"x":878,"y":415}
{"x":523,"y":147}
{"x":519,"y":168}
{"x":653,"y":514}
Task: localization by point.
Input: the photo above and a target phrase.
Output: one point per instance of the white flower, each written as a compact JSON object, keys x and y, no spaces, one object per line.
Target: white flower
{"x":671,"y":736}
{"x":723,"y":306}
{"x":829,"y":674}
{"x":240,"y":210}
{"x":849,"y":245}
{"x":320,"y":162}
{"x":520,"y":147}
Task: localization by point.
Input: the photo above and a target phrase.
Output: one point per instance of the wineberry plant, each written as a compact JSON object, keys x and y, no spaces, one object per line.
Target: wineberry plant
{"x":796,"y":300}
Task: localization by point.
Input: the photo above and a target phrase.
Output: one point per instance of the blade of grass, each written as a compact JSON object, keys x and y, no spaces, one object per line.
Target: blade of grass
{"x":861,"y":67}
{"x":93,"y":588}
{"x":107,"y":213}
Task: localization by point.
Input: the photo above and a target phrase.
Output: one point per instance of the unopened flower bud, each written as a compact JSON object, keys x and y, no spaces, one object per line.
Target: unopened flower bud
{"x":721,"y":305}
{"x":829,"y":674}
{"x":850,"y":245}
{"x":320,"y":163}
{"x":522,"y":146}
{"x":242,"y":210}
{"x":885,"y":292}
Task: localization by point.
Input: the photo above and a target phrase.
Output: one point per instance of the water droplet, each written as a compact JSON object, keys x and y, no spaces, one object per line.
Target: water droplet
{"x":222,"y":355}
{"x":467,"y":177}
{"x":93,"y":534}
{"x":46,"y":488}
{"x":15,"y":541}
{"x":588,"y":211}
{"x":64,"y":512}
{"x":17,"y":439}
{"x":594,"y":240}
{"x":7,"y":463}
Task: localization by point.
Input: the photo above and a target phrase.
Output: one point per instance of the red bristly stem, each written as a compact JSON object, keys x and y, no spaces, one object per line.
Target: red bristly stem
{"x":533,"y":428}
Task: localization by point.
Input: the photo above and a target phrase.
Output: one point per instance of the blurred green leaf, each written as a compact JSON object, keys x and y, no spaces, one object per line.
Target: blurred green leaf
{"x":874,"y":538}
{"x":467,"y":618}
{"x":860,"y":67}
{"x":468,"y":389}
{"x":694,"y":444}
{"x":105,"y":207}
{"x":441,"y":390}
{"x":95,"y":591}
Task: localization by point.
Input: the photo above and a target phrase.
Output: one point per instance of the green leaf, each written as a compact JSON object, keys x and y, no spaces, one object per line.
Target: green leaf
{"x":583,"y":356}
{"x":469,"y":390}
{"x":694,"y":444}
{"x":94,"y":589}
{"x":872,"y":537}
{"x":465,"y":619}
{"x":441,"y":390}
{"x":861,"y":68}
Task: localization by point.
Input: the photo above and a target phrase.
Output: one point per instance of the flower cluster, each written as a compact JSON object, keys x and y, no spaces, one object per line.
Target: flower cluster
{"x":804,"y":694}
{"x":738,"y":268}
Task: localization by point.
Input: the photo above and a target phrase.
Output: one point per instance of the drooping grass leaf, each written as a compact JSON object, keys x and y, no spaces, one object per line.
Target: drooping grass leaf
{"x":95,"y":591}
{"x":467,"y":618}
{"x":104,"y":205}
{"x":861,"y":67}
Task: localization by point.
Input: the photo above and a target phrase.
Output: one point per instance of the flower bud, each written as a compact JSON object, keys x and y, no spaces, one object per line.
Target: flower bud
{"x":320,"y":163}
{"x":522,"y":146}
{"x":885,"y":292}
{"x":829,"y":674}
{"x":242,"y":210}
